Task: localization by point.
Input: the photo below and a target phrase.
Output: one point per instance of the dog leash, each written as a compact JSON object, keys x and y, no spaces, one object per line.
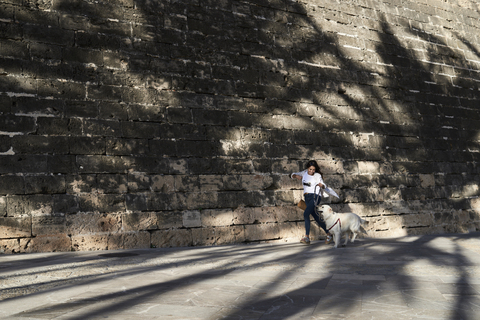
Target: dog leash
{"x":338,"y":221}
{"x":315,"y":198}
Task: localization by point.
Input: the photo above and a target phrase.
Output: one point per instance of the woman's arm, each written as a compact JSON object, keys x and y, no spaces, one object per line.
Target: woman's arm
{"x":320,"y":183}
{"x":297,"y":175}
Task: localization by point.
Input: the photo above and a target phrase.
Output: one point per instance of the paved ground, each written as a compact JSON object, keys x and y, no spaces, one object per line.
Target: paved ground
{"x":424,"y":277}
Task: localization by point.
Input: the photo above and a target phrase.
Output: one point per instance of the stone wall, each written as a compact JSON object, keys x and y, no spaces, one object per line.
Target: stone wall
{"x":136,"y":124}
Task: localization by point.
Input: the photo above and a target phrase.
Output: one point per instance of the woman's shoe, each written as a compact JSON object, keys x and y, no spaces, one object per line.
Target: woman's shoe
{"x":328,"y":239}
{"x":305,"y":240}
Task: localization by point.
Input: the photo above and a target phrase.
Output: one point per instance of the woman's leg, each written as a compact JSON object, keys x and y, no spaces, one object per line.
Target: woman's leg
{"x":306,"y":216}
{"x":308,"y":211}
{"x":316,"y":216}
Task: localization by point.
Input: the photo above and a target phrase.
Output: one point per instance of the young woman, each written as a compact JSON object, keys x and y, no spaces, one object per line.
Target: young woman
{"x":312,"y":181}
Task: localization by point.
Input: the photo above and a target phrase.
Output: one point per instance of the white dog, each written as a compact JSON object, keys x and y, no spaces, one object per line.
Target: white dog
{"x":338,"y":223}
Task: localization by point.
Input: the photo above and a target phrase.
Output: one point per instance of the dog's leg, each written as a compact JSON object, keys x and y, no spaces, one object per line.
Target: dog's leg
{"x":346,"y":238}
{"x":354,"y":236}
{"x":336,"y":238}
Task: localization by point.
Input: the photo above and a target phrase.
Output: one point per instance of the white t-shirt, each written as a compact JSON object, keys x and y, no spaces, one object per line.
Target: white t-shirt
{"x":309,"y":182}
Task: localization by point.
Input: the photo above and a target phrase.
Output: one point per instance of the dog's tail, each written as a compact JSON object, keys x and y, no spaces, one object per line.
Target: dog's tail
{"x":362,"y":224}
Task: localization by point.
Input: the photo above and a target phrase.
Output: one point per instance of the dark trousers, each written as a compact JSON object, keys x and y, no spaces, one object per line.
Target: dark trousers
{"x":311,"y":203}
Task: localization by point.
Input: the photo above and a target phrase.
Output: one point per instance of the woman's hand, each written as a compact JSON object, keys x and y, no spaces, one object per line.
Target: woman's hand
{"x":321,"y":185}
{"x":296,"y":176}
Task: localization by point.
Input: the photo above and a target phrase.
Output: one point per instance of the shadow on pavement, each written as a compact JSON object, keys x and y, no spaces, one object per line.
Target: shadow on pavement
{"x":404,"y":278}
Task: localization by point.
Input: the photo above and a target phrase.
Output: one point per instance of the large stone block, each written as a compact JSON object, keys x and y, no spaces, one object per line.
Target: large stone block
{"x":115,"y":241}
{"x":292,"y":231}
{"x":81,"y":183}
{"x":172,"y":238}
{"x":31,"y":205}
{"x":416,"y":220}
{"x":256,"y":182}
{"x":101,"y":202}
{"x":264,"y":215}
{"x":86,"y":223}
{"x":361,"y":209}
{"x":215,"y":236}
{"x":112,"y":183}
{"x":48,"y":225}
{"x":11,"y":227}
{"x":47,"y":243}
{"x":196,"y":200}
{"x":134,"y":221}
{"x":331,"y":167}
{"x":475,"y":205}
{"x":89,"y":242}
{"x":16,"y":124}
{"x":427,"y":180}
{"x":65,"y":203}
{"x":384,"y":223}
{"x":264,"y":231}
{"x":10,"y":246}
{"x":217,"y":217}
{"x":243,"y":215}
{"x":3,"y":206}
{"x":187,"y":183}
{"x":287,"y":213}
{"x":101,"y":164}
{"x":12,"y":184}
{"x":162,"y":183}
{"x":168,"y":219}
{"x":211,"y":183}
{"x":191,"y":219}
{"x":287,"y":197}
{"x":394,"y":207}
{"x":136,"y":240}
{"x":138,"y":182}
{"x":45,"y":184}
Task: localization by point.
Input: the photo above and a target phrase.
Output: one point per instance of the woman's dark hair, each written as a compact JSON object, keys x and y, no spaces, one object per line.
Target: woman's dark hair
{"x":315,"y":164}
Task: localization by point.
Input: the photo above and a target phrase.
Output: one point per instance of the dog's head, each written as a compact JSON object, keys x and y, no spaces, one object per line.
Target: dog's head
{"x":324,"y":211}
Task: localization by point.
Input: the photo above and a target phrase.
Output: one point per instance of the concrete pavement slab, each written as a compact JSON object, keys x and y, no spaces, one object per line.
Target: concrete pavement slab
{"x":420,"y":277}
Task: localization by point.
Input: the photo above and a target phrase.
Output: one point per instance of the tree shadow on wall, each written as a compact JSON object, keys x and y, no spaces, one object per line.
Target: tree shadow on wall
{"x":211,"y":89}
{"x":216,"y":89}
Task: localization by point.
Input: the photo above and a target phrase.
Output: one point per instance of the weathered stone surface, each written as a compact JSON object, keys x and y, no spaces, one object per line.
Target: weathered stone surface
{"x":192,"y":218}
{"x":10,"y":246}
{"x":47,"y":243}
{"x":11,"y":227}
{"x":243,"y":215}
{"x":132,"y":222}
{"x":162,"y":183}
{"x":215,"y":236}
{"x":137,"y":240}
{"x":220,"y":217}
{"x":114,"y":128}
{"x":172,"y":238}
{"x":48,"y":225}
{"x":85,"y":223}
{"x":264,"y":231}
{"x":94,"y":242}
{"x":264,"y":215}
{"x":211,"y":182}
{"x":293,"y":231}
{"x":288,"y":213}
{"x":31,"y":205}
{"x":101,"y":203}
